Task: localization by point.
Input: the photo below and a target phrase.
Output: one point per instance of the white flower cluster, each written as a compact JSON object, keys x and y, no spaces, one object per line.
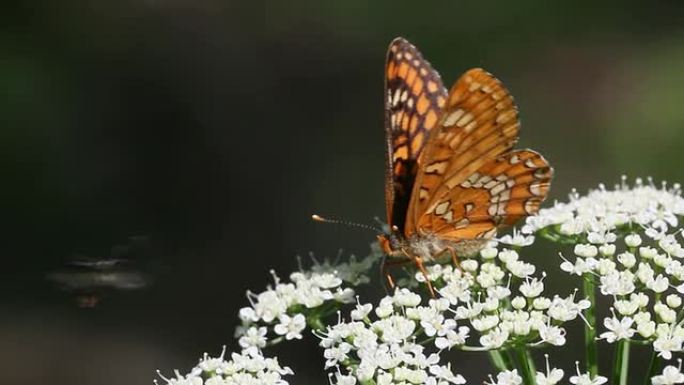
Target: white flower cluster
{"x":480,"y":294}
{"x":285,"y":308}
{"x":248,"y":367}
{"x":628,"y":242}
{"x":601,"y":212}
{"x":645,"y":281}
{"x":387,"y":350}
{"x":552,"y":376}
{"x":671,"y":375}
{"x":399,"y":341}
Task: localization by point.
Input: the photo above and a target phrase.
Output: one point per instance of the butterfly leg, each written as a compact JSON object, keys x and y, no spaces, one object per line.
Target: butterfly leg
{"x":384,"y":271}
{"x":421,"y":267}
{"x":454,"y":257}
{"x":387,"y":264}
{"x":419,"y":263}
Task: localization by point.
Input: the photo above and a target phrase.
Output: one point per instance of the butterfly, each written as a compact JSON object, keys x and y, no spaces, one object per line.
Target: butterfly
{"x":452,"y":176}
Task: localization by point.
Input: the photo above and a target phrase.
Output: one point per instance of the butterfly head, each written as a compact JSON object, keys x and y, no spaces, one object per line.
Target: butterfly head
{"x":391,"y":242}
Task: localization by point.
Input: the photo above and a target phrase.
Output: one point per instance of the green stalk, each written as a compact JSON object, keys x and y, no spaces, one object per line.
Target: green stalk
{"x":621,"y":363}
{"x":511,"y":355}
{"x":590,"y":348}
{"x":499,"y":360}
{"x":530,"y":362}
{"x":526,"y":365}
{"x":653,"y":368}
{"x":315,"y":323}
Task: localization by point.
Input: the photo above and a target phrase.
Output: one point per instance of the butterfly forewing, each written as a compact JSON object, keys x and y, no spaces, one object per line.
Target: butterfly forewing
{"x":478,"y":124}
{"x":414,"y":97}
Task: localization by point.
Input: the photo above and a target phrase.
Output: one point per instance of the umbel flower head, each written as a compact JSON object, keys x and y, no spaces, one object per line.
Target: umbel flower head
{"x":283,"y":309}
{"x":493,"y":297}
{"x":627,"y":240}
{"x":625,"y":243}
{"x":603,"y":212}
{"x":248,"y":367}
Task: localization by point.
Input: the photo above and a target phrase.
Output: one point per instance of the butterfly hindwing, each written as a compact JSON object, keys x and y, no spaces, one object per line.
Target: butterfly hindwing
{"x":500,"y":192}
{"x":478,"y":124}
{"x":414,"y":97}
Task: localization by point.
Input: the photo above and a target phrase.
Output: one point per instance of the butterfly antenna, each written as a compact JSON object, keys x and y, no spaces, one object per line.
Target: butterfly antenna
{"x":319,"y":218}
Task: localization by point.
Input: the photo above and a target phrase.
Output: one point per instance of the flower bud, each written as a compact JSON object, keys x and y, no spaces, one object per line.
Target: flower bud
{"x":673,"y":300}
{"x":633,"y":240}
{"x":518,"y":303}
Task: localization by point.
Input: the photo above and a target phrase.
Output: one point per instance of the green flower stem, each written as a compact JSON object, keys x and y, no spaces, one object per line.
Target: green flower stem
{"x":275,"y":341}
{"x":472,"y":348}
{"x":526,"y":365}
{"x":590,"y":348}
{"x":315,"y":323}
{"x":499,"y":360}
{"x":509,"y":358}
{"x":654,"y":367}
{"x":621,"y":363}
{"x":530,"y":362}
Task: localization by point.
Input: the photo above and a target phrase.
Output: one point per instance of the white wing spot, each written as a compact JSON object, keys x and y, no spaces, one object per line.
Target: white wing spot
{"x":423,"y":193}
{"x":537,"y":189}
{"x":462,"y":223}
{"x":470,"y":126}
{"x":449,"y":217}
{"x":531,"y":206}
{"x":395,"y":97}
{"x":501,"y":209}
{"x":465,"y":119}
{"x":505,"y":116}
{"x":543,"y":173}
{"x":498,"y":189}
{"x":441,"y":209}
{"x":474,"y":86}
{"x":453,"y":117}
{"x":438,"y":167}
{"x":489,"y":185}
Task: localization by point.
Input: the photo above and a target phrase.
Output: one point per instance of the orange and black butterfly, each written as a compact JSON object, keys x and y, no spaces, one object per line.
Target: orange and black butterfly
{"x":453,"y":177}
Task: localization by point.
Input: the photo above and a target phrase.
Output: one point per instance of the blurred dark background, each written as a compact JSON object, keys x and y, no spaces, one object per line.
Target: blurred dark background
{"x":215,"y":128}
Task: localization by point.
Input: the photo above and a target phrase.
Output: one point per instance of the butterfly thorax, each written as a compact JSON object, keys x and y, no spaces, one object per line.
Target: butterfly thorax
{"x":429,"y":247}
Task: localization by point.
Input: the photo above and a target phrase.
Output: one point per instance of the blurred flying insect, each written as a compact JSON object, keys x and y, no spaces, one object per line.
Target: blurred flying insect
{"x":90,"y":278}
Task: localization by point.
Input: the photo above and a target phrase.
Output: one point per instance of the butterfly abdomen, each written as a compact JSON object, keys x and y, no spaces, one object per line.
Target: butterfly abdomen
{"x":432,"y":247}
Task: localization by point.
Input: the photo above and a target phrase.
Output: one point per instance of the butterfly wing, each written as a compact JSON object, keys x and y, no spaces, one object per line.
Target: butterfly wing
{"x":414,"y":97}
{"x":470,"y":182}
{"x":500,"y":192}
